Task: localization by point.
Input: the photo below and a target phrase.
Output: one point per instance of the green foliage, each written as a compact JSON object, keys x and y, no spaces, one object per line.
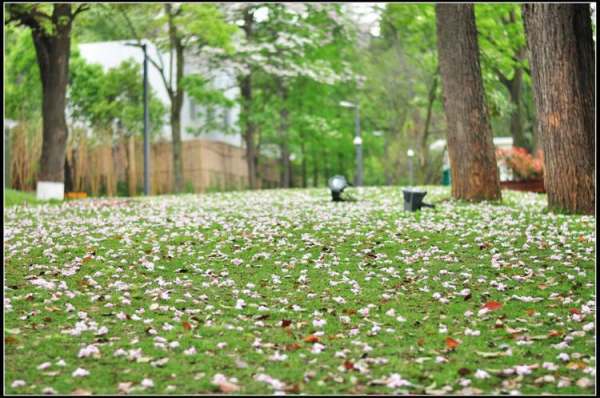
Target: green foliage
{"x":22,"y":89}
{"x":103,"y":98}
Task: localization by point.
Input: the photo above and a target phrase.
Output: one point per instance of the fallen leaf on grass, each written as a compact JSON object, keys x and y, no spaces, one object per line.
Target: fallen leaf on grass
{"x":292,"y":347}
{"x":228,"y":387}
{"x":10,"y":340}
{"x":311,"y":339}
{"x":574,"y":365}
{"x":124,"y":387}
{"x":451,"y":343}
{"x":492,"y":305}
{"x":285,"y":323}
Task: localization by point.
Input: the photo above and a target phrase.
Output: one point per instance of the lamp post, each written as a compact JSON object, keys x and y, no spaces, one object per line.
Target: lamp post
{"x":358,"y":178}
{"x":410,"y":154}
{"x":146,"y":121}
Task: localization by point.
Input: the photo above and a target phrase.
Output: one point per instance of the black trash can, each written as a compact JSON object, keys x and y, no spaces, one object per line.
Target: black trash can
{"x":413,"y":199}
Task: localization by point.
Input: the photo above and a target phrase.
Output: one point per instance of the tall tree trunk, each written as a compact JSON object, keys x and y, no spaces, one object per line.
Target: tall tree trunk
{"x":516,"y":125}
{"x":304,"y":162}
{"x":176,"y":149}
{"x":131,"y":169}
{"x":386,"y":159}
{"x":470,"y":147}
{"x":315,"y":169}
{"x":249,"y":128}
{"x":176,"y":96}
{"x":327,"y":165}
{"x":514,"y":87}
{"x":561,"y":49}
{"x":52,"y":52}
{"x":283,"y":137}
{"x":424,"y":152}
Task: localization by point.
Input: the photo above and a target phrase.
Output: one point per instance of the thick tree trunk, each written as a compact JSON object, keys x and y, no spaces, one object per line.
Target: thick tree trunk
{"x":283,"y":137}
{"x":561,"y":49}
{"x":53,"y":59}
{"x":470,"y":146}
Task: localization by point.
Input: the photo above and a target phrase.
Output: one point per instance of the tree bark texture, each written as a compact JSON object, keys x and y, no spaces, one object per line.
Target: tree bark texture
{"x":131,"y":169}
{"x":249,"y":127}
{"x":561,"y":50}
{"x":176,"y":94}
{"x":283,"y":137}
{"x":470,"y":146}
{"x":52,"y":52}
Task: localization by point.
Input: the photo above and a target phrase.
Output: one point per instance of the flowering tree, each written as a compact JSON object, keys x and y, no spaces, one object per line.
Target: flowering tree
{"x":279,"y":44}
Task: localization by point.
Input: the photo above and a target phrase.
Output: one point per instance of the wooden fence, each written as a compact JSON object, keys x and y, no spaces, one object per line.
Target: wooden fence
{"x":101,"y":169}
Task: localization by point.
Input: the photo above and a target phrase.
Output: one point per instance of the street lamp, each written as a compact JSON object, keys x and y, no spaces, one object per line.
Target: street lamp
{"x":146,"y":123}
{"x":358,"y":178}
{"x":410,"y":153}
{"x":337,"y":184}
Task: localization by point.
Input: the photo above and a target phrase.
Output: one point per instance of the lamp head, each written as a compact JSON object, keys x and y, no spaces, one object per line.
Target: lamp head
{"x":337,"y":183}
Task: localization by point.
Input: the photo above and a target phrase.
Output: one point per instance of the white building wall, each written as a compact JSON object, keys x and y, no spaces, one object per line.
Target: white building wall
{"x":112,"y":54}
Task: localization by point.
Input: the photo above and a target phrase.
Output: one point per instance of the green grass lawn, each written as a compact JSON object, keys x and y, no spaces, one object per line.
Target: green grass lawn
{"x":13,"y":198}
{"x":284,"y":291}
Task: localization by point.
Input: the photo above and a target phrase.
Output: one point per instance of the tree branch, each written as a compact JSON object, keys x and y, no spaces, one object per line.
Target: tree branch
{"x":81,"y":8}
{"x":153,"y":62}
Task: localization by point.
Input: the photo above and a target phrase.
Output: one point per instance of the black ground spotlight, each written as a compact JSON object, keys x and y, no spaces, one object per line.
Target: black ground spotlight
{"x":337,"y":184}
{"x":413,"y":199}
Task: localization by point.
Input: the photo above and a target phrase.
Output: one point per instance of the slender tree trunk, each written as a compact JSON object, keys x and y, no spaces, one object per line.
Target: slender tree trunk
{"x":470,"y":147}
{"x":424,"y":152}
{"x":249,"y":128}
{"x":514,"y":87}
{"x":516,"y":125}
{"x":327,"y":165}
{"x":176,"y":149}
{"x":315,"y":169}
{"x":304,"y":162}
{"x":283,"y":137}
{"x":386,"y":159}
{"x":131,"y":169}
{"x":176,"y":94}
{"x":561,"y":49}
{"x":53,"y":59}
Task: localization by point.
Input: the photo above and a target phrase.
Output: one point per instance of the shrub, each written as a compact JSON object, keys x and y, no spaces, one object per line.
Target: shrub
{"x":523,"y":165}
